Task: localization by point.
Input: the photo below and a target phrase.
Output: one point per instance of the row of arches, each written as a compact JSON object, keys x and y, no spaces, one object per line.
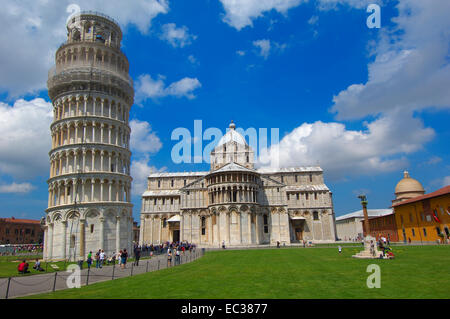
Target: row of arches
{"x":77,"y":132}
{"x":233,"y":194}
{"x":84,"y":105}
{"x":92,"y":30}
{"x":88,"y":189}
{"x":231,"y":177}
{"x":89,"y":160}
{"x":95,"y":81}
{"x":88,"y":55}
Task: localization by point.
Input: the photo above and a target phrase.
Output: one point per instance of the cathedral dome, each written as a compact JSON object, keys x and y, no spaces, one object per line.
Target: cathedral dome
{"x":232,"y":136}
{"x":408,"y":187}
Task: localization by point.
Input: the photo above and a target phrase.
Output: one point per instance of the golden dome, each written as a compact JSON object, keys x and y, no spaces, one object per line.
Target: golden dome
{"x":408,"y":187}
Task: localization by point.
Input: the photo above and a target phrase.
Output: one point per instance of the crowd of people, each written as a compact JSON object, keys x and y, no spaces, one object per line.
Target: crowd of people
{"x":7,"y":250}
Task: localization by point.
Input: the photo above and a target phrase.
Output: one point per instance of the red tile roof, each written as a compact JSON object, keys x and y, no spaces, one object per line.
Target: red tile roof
{"x":443,"y":191}
{"x":21,"y":221}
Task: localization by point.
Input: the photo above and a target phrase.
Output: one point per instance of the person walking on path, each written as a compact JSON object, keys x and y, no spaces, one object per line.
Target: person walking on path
{"x":102,"y":257}
{"x":119,"y":257}
{"x":124,"y":258}
{"x":89,"y":259}
{"x":177,"y":257}
{"x":169,"y":258}
{"x":223,"y":244}
{"x":97,"y":259}
{"x":137,"y":256}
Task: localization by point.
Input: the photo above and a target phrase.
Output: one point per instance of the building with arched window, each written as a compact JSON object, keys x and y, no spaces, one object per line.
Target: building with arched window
{"x":236,"y":203}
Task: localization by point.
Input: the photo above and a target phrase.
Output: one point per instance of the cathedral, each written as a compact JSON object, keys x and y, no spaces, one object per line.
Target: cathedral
{"x":236,"y":204}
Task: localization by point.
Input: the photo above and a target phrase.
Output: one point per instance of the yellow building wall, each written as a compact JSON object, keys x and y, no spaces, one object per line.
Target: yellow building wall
{"x":412,"y":219}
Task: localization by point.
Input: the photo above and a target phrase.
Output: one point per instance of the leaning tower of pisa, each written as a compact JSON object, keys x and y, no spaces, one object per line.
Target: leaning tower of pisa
{"x":89,"y":186}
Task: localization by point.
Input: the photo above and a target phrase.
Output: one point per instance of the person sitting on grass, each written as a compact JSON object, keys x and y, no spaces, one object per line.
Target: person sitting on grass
{"x":23,"y":267}
{"x":37,"y":265}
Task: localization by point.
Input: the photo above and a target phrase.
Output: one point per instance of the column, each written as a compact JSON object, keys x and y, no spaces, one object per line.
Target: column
{"x":83,"y":182}
{"x":257,"y":228}
{"x":141,"y":232}
{"x":228,"y":228}
{"x":109,"y":190}
{"x":102,"y":153}
{"x":82,"y":228}
{"x":118,"y":233}
{"x":102,"y":181}
{"x":102,"y":232}
{"x":93,"y":131}
{"x":181,"y":226}
{"x":50,"y":242}
{"x":249,"y":216}
{"x":64,"y":238}
{"x":74,"y":190}
{"x":152,"y":223}
{"x":210,"y":231}
{"x":160,"y":229}
{"x":102,"y":127}
{"x":92,"y":189}
{"x":44,"y":253}
{"x":75,"y":161}
{"x":218,"y":226}
{"x":93,"y":160}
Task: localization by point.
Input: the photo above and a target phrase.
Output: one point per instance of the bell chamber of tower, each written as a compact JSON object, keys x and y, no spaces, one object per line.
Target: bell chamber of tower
{"x":89,"y":203}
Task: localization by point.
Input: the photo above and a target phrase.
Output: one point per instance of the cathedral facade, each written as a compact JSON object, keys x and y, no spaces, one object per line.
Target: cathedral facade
{"x":236,"y":203}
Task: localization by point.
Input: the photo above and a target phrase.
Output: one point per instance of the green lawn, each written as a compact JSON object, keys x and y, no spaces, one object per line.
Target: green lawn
{"x":417,"y":272}
{"x":8,"y":266}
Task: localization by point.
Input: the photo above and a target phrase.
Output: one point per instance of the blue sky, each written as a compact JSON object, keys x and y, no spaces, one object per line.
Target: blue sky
{"x":364,"y":103}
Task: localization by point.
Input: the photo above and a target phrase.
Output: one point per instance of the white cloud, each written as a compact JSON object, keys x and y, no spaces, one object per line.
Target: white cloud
{"x":142,"y":138}
{"x":193,"y":60}
{"x":240,"y":14}
{"x":140,"y":169}
{"x":313,"y":20}
{"x":340,"y":152}
{"x":177,"y":37}
{"x":33,"y":30}
{"x":411,"y":71}
{"x":264,"y":47}
{"x":25,"y":138}
{"x":446,"y":181}
{"x":240,"y":52}
{"x":16,"y":188}
{"x":147,"y":87}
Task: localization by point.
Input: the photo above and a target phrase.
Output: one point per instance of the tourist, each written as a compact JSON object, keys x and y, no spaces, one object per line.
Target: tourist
{"x":97,"y":259}
{"x":102,"y":258}
{"x":89,"y":260}
{"x":23,"y":267}
{"x":137,"y":256}
{"x":119,"y":257}
{"x":177,"y":257}
{"x":123,"y":258}
{"x":37,"y":265}
{"x":340,"y":249}
{"x":223,"y":244}
{"x":278,"y":244}
{"x":169,"y":258}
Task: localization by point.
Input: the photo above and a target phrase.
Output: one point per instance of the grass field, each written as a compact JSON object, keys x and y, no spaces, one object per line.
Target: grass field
{"x":417,"y":272}
{"x":8,"y":265}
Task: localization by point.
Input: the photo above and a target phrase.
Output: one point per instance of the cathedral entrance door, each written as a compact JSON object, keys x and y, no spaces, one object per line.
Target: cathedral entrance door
{"x":176,"y":235}
{"x":298,"y":234}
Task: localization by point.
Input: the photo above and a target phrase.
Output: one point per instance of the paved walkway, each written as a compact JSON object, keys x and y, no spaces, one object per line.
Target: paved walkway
{"x":29,"y":285}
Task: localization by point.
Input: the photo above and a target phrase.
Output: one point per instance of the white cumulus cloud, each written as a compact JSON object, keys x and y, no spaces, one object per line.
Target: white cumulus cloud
{"x":147,"y":87}
{"x":142,"y":138}
{"x":33,"y":30}
{"x":340,"y":152}
{"x":16,"y":188}
{"x":177,"y":37}
{"x":411,"y":71}
{"x":25,"y":138}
